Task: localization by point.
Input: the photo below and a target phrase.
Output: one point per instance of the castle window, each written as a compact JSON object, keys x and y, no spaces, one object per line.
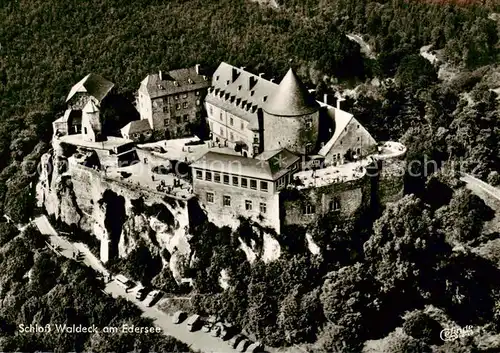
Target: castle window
{"x":220,"y":115}
{"x":185,"y":105}
{"x":308,"y":148}
{"x":358,"y":126}
{"x":335,"y":204}
{"x":255,"y":139}
{"x":210,"y":197}
{"x":208,"y":176}
{"x":211,"y":109}
{"x":235,"y":181}
{"x":177,"y":106}
{"x":216,"y":78}
{"x":178,"y":119}
{"x":309,"y":124}
{"x":225,"y":178}
{"x":263,"y":207}
{"x":211,"y":126}
{"x":184,"y":95}
{"x":198,"y":102}
{"x":359,"y":138}
{"x":217,"y":177}
{"x":165,"y":109}
{"x":242,"y":126}
{"x":186,"y":118}
{"x":309,"y":209}
{"x":176,"y":97}
{"x":221,"y":131}
{"x":263,"y":185}
{"x":197,"y":93}
{"x":231,"y":121}
{"x":231,"y":136}
{"x":226,"y":200}
{"x":248,"y":205}
{"x":199,"y":174}
{"x":253,"y":184}
{"x":244,"y":182}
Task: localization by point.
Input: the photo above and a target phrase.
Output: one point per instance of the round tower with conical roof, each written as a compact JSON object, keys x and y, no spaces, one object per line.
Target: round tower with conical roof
{"x":291,"y":117}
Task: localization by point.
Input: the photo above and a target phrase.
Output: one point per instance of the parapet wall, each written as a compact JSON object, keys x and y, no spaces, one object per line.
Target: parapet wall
{"x":345,"y":198}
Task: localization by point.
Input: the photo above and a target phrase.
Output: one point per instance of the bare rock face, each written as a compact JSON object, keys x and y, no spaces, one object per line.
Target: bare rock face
{"x":112,"y":212}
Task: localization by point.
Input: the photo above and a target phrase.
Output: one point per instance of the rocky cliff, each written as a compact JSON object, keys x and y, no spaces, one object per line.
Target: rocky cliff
{"x":117,"y":214}
{"x":121,"y":215}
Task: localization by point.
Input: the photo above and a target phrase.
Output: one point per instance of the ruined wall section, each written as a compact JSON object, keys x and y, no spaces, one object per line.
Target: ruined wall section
{"x":351,"y":196}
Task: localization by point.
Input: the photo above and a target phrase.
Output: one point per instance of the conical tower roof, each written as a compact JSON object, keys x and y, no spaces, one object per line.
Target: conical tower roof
{"x":291,"y":98}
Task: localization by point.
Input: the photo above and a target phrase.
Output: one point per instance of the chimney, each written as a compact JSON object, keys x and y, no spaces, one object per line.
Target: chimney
{"x":272,"y":80}
{"x":160,"y":75}
{"x":325,"y":98}
{"x":261,"y":74}
{"x":197,"y":68}
{"x":243,"y":68}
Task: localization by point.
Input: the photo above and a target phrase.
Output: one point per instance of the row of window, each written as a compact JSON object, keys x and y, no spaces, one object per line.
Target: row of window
{"x":333,"y":205}
{"x":231,"y":119}
{"x":235,"y":180}
{"x":184,"y":105}
{"x":226,"y":201}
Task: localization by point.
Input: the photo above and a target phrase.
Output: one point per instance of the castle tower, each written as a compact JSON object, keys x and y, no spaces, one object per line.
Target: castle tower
{"x":291,"y":117}
{"x":91,"y":123}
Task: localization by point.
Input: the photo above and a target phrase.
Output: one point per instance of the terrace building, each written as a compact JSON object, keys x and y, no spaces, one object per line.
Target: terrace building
{"x":230,"y":186}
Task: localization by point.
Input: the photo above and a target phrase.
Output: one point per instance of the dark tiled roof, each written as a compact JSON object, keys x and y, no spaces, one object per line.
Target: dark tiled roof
{"x":95,"y":85}
{"x":269,"y":167}
{"x":174,"y":82}
{"x":291,"y":98}
{"x":136,"y":126}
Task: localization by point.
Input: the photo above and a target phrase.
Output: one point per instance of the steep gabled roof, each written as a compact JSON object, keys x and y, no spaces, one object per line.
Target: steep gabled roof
{"x":239,"y":92}
{"x":95,"y":85}
{"x":291,"y":98}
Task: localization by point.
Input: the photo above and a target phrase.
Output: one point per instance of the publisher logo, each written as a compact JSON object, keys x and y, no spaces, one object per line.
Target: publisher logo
{"x":452,"y":334}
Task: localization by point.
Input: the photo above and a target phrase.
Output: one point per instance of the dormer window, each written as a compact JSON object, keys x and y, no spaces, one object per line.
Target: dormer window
{"x":161,"y":87}
{"x":190,"y":81}
{"x":176,"y":83}
{"x":205,"y":78}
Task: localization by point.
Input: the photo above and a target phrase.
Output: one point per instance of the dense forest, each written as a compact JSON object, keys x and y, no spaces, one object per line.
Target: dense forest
{"x":39,"y":288}
{"x":401,"y":265}
{"x":401,"y":270}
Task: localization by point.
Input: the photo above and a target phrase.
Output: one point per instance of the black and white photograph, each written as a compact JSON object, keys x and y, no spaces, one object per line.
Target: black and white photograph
{"x":259,"y":176}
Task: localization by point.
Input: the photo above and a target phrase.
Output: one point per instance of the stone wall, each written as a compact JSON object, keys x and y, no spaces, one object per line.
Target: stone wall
{"x":355,"y":138}
{"x":351,"y":196}
{"x":290,"y":132}
{"x":390,"y":186}
{"x":228,"y":215}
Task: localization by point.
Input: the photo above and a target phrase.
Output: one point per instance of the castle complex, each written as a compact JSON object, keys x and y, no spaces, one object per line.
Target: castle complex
{"x":273,"y":154}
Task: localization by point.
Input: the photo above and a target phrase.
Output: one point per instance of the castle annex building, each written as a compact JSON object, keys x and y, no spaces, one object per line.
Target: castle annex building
{"x":170,"y":105}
